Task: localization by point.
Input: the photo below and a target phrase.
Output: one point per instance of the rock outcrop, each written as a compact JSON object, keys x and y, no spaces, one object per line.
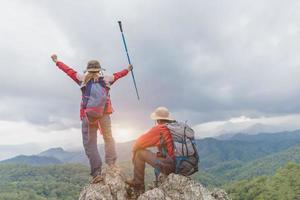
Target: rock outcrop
{"x":112,"y":188}
{"x":174,"y":187}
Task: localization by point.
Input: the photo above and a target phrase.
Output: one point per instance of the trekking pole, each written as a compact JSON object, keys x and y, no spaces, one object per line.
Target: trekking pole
{"x":128,"y":58}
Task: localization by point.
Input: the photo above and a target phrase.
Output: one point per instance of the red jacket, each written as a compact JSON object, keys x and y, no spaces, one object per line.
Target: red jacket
{"x":152,"y":139}
{"x":78,"y":78}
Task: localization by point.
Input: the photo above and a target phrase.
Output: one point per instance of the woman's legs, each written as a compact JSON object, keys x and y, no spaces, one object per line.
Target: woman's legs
{"x":89,"y":137}
{"x":109,"y":142}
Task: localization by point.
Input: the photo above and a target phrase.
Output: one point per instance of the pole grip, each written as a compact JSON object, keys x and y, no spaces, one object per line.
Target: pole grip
{"x":120,"y":25}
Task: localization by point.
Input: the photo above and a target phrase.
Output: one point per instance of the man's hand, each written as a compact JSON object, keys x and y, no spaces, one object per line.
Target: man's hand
{"x":54,"y":58}
{"x":130,"y":67}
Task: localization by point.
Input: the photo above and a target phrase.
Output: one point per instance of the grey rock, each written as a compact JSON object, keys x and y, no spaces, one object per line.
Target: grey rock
{"x":114,"y":178}
{"x":177,"y":187}
{"x":96,"y":192}
{"x":153,"y":194}
{"x":173,"y":187}
{"x":112,"y":188}
{"x":219,"y":194}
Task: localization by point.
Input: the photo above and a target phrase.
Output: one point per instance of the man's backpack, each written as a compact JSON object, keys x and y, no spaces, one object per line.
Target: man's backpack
{"x":94,"y":97}
{"x":185,"y":150}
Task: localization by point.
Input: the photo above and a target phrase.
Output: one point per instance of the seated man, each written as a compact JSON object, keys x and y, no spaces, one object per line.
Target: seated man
{"x":158,"y":136}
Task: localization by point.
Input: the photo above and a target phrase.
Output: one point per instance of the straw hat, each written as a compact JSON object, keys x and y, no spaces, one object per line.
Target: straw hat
{"x":161,"y":113}
{"x":94,"y":66}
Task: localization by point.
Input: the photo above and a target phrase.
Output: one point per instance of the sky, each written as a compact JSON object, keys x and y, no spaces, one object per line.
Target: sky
{"x":224,"y":66}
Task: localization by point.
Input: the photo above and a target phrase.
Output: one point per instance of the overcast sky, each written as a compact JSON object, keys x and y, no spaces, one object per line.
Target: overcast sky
{"x":209,"y":62}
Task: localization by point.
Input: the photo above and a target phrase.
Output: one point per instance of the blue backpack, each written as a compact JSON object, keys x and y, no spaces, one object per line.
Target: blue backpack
{"x":94,"y":98}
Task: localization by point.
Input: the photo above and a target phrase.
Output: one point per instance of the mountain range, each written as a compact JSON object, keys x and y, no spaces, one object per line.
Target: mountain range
{"x":8,"y":151}
{"x":60,"y":156}
{"x":233,"y":158}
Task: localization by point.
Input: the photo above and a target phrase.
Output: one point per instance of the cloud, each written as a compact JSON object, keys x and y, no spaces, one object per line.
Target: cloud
{"x":205,"y":60}
{"x":16,"y":133}
{"x":248,"y":125}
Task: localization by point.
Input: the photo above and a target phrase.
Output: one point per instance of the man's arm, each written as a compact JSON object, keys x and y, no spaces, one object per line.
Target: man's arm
{"x":149,"y":139}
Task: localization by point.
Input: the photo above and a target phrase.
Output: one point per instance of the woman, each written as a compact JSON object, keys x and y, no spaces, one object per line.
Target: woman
{"x":98,"y":119}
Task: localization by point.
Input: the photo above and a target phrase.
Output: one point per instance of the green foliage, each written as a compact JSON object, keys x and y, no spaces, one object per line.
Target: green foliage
{"x":207,"y":179}
{"x":228,"y":171}
{"x":213,"y":152}
{"x":264,"y":166}
{"x":40,"y":183}
{"x":285,"y":184}
{"x":221,"y":164}
{"x":32,"y":160}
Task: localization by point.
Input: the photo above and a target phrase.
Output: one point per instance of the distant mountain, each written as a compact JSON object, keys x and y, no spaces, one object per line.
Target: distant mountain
{"x":123,"y":152}
{"x":59,"y":155}
{"x":255,"y":129}
{"x":232,"y":170}
{"x":213,"y":152}
{"x":261,"y":128}
{"x":280,"y":136}
{"x":8,"y":151}
{"x":215,"y":155}
{"x":65,"y":156}
{"x":32,"y":160}
{"x":240,"y":148}
{"x":243,"y":136}
{"x":233,"y":126}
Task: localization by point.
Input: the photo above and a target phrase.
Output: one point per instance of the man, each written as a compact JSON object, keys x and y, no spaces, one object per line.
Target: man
{"x":159,"y":136}
{"x":95,"y":111}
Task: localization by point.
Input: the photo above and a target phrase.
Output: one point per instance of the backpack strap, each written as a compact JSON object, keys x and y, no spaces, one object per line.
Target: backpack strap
{"x":163,"y":147}
{"x":157,"y":171}
{"x":178,"y":161}
{"x":86,"y":93}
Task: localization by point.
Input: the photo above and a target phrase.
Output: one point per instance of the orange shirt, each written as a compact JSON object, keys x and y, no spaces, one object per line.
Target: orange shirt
{"x":152,"y":139}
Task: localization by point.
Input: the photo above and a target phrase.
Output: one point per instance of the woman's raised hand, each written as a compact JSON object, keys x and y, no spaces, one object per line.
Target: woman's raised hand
{"x":130,"y":67}
{"x":54,"y":58}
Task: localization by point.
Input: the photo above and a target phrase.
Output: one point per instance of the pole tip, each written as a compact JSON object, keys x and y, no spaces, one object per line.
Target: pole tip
{"x":120,"y":25}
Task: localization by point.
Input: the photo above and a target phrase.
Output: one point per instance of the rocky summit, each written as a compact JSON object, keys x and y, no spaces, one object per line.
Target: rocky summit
{"x":173,"y":187}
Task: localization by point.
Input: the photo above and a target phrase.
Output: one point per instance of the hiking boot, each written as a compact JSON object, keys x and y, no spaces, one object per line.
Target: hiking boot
{"x":138,"y":189}
{"x":97,"y":179}
{"x":132,"y":183}
{"x":112,"y":166}
{"x":161,"y":178}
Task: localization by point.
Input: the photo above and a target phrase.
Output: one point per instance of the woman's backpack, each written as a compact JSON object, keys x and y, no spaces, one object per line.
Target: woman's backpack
{"x":94,"y":97}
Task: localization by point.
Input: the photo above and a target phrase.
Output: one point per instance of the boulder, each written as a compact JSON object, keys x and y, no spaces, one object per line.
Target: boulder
{"x":173,"y":187}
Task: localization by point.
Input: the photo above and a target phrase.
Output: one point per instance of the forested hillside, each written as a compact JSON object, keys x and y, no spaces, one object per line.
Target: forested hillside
{"x":222,"y":162}
{"x":285,"y":184}
{"x":224,"y":172}
{"x":21,"y":182}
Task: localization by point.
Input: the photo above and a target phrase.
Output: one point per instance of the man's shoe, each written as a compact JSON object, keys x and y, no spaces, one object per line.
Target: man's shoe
{"x":138,"y":189}
{"x":131,"y":182}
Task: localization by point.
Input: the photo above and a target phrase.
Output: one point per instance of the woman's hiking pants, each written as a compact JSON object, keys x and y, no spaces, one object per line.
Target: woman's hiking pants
{"x":89,"y":137}
{"x":164,"y":165}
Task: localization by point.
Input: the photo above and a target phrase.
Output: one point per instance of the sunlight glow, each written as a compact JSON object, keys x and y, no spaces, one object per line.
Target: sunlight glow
{"x":123,"y":134}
